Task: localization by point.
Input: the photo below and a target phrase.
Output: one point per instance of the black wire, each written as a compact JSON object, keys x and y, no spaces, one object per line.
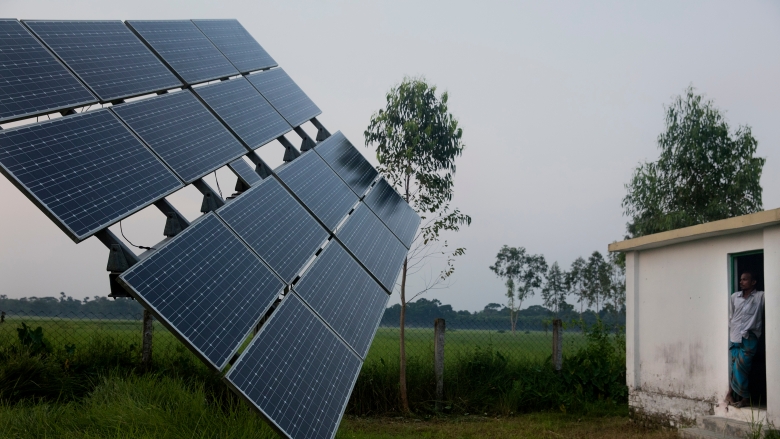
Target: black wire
{"x":220,"y":190}
{"x":128,"y":241}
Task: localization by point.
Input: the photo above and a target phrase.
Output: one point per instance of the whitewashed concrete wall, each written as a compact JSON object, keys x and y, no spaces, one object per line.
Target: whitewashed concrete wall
{"x":677,"y":324}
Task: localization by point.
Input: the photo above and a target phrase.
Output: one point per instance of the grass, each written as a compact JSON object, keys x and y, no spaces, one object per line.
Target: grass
{"x":161,"y":407}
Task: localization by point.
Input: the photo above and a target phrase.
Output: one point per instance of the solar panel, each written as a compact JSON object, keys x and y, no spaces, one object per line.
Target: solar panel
{"x":32,"y":81}
{"x":348,"y":162}
{"x":207,"y":287}
{"x":236,"y":44}
{"x":245,"y":172}
{"x":84,"y":171}
{"x":107,"y":56}
{"x":275,"y":226}
{"x":318,"y":187}
{"x":374,"y":245}
{"x":393,"y":210}
{"x":245,"y":111}
{"x":183,"y":132}
{"x":344,"y":295}
{"x":285,"y":95}
{"x":185,"y":49}
{"x":297,"y":373}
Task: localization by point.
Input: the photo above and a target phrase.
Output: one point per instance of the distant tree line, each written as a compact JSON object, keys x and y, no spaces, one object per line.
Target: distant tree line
{"x":494,"y":316}
{"x":68,"y":307}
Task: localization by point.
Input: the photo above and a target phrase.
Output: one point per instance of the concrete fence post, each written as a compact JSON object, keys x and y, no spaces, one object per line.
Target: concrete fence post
{"x":557,"y":348}
{"x":438,"y":361}
{"x":146,"y":349}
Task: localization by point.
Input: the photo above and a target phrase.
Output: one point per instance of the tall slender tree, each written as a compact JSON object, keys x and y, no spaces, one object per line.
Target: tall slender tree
{"x":417,"y":141}
{"x":596,"y":281}
{"x":575,"y":283}
{"x":526,"y":271}
{"x":554,"y":291}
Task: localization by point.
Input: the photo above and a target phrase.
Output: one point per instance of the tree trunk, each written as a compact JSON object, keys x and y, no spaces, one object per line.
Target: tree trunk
{"x":402,"y":375}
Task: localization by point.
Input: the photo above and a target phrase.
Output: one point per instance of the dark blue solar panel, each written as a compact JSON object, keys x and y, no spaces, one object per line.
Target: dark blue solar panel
{"x":285,"y":95}
{"x":276,"y":226}
{"x":245,"y":111}
{"x":182,"y":132}
{"x":237,"y":44}
{"x":185,"y":49}
{"x":32,"y":81}
{"x":297,"y":373}
{"x":207,"y":286}
{"x":345,"y":296}
{"x":107,"y":56}
{"x":245,"y":172}
{"x":85,"y":171}
{"x":374,"y":245}
{"x":397,"y":215}
{"x":348,"y":162}
{"x":318,"y":187}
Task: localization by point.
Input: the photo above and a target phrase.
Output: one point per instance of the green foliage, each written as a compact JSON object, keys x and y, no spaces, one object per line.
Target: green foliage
{"x":596,"y":280}
{"x":523,"y":273}
{"x":554,"y":291}
{"x":135,"y":407}
{"x":32,"y":339}
{"x":705,"y":171}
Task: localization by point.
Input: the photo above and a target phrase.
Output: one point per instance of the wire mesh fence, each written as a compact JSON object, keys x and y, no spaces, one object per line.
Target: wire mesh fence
{"x":76,"y":329}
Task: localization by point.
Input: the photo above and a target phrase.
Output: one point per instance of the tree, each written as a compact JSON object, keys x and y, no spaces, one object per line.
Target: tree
{"x":596,"y":281}
{"x":417,"y":141}
{"x":705,"y":172}
{"x":617,"y":283}
{"x":575,"y":283}
{"x":554,"y":291}
{"x":523,"y":273}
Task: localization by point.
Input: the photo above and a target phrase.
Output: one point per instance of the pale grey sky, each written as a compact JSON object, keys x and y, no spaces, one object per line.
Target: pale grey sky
{"x":558,"y":101}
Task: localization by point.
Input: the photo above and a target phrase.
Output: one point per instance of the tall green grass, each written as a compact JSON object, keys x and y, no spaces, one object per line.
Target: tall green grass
{"x":134,"y":407}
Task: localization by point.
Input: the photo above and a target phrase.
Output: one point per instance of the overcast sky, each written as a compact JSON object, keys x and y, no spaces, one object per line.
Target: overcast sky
{"x":558,"y":101}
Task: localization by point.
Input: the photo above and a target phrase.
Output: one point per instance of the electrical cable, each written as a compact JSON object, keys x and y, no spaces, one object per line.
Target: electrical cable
{"x":128,"y":241}
{"x":217,"y":180}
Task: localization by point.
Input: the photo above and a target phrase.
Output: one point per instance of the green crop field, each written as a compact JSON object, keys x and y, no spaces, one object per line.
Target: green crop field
{"x":522,"y":345}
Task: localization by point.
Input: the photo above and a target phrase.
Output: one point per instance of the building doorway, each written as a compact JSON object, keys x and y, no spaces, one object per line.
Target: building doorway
{"x":753,"y":262}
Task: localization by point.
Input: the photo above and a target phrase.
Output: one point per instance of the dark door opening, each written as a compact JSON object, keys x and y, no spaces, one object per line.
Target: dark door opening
{"x":754,"y":263}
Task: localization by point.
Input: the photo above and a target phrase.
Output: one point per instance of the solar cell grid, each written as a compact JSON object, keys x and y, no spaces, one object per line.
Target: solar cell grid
{"x":245,"y":111}
{"x":374,"y":245}
{"x":245,"y":172}
{"x":275,"y":226}
{"x":297,"y":373}
{"x":393,"y":210}
{"x":107,"y":56}
{"x":318,"y":187}
{"x":182,"y":132}
{"x":344,"y":295}
{"x":236,"y":44}
{"x":32,"y":81}
{"x":185,"y":49}
{"x":285,"y":95}
{"x":348,"y":162}
{"x":207,"y":286}
{"x":85,"y":171}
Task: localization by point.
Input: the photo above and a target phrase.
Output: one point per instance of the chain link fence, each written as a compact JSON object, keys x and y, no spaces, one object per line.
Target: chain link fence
{"x":77,"y":329}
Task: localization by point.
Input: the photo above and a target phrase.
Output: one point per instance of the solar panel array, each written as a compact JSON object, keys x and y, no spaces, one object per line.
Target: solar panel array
{"x":315,"y":244}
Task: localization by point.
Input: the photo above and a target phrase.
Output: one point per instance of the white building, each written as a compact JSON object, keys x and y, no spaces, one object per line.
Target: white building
{"x":678,"y":285}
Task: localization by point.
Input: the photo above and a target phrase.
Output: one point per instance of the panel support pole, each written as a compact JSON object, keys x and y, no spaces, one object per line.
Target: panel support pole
{"x":438,"y":361}
{"x":557,"y":348}
{"x":322,"y":132}
{"x":146,"y":348}
{"x":261,"y":167}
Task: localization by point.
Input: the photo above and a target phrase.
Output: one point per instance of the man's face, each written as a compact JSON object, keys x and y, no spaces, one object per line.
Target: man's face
{"x":746,"y":282}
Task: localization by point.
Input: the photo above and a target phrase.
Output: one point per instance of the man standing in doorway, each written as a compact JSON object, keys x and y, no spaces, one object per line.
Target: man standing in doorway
{"x":746,"y":310}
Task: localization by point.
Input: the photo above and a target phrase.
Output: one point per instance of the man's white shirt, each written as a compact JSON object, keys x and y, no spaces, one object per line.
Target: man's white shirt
{"x":745,"y":315}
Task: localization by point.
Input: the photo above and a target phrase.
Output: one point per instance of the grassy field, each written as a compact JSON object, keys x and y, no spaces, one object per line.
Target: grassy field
{"x":161,"y":407}
{"x":522,"y":346}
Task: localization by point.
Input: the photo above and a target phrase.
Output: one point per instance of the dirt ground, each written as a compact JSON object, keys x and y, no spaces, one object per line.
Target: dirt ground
{"x":537,"y":425}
